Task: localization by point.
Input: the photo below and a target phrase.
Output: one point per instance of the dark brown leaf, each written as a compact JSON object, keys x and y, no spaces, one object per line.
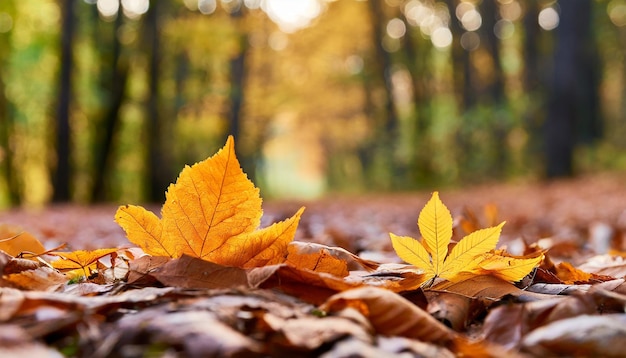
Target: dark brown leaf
{"x":191,"y":272}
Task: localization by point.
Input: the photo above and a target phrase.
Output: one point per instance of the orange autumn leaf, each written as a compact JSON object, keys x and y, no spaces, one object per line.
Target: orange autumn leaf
{"x":81,"y":260}
{"x":16,"y":242}
{"x":570,"y":275}
{"x":473,"y":255}
{"x":212,"y":212}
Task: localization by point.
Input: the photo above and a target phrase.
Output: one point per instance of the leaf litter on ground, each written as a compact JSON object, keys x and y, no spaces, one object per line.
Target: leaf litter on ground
{"x":206,"y":281}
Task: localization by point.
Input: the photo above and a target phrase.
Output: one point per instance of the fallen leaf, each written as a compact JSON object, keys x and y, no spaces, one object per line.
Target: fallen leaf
{"x":310,"y":333}
{"x":192,"y":272}
{"x":15,"y":241}
{"x":322,"y":258}
{"x":452,"y":309}
{"x":195,"y":333}
{"x":581,"y":336}
{"x":508,"y":267}
{"x":391,"y":315}
{"x":471,"y":256}
{"x":606,"y":265}
{"x":80,"y":261}
{"x":568,"y":274}
{"x":310,"y":286}
{"x":486,"y":286}
{"x":211,"y":212}
{"x":40,"y":279}
{"x":10,"y":264}
{"x":140,"y":270}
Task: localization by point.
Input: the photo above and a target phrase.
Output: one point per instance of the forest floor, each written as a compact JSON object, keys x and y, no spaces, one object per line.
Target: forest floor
{"x":577,"y":220}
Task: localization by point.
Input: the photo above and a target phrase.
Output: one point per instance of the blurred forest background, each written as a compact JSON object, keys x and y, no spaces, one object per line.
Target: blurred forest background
{"x":107,"y":100}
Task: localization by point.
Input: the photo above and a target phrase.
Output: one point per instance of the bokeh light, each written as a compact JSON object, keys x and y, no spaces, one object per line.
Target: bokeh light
{"x":133,"y":9}
{"x":396,"y":28}
{"x":441,"y":37}
{"x":504,"y":29}
{"x":470,"y":41}
{"x":292,"y":15}
{"x":108,"y":8}
{"x":548,"y":18}
{"x":616,"y":10}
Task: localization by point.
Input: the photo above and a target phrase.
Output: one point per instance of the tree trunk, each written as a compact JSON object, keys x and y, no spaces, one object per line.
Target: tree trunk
{"x":495,"y":89}
{"x":237,"y":66}
{"x":417,"y":65}
{"x":62,"y":174}
{"x":387,"y":124}
{"x":6,"y":130}
{"x":116,"y":83}
{"x":573,"y":97}
{"x":158,"y":161}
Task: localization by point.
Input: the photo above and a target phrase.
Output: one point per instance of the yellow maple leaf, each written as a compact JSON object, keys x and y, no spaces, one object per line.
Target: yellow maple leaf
{"x":211,"y":212}
{"x":473,"y":255}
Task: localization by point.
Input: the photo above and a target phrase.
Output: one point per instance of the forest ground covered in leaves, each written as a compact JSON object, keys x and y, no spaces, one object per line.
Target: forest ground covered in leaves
{"x":576,"y":220}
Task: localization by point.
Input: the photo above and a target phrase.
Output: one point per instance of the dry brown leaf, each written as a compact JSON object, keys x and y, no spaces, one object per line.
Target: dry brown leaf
{"x":486,"y":286}
{"x":507,"y":325}
{"x":211,"y":212}
{"x":580,"y":336}
{"x":192,"y":272}
{"x":310,"y":333}
{"x":605,"y":265}
{"x":391,"y":315}
{"x":40,"y":279}
{"x":194,"y":333}
{"x":140,"y":270}
{"x":310,"y":286}
{"x":10,"y":264}
{"x":452,"y":309}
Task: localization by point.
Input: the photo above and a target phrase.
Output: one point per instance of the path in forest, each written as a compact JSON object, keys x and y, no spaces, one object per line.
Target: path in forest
{"x":584,"y":212}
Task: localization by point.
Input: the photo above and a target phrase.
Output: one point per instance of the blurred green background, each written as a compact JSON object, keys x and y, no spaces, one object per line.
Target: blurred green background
{"x":107,"y":100}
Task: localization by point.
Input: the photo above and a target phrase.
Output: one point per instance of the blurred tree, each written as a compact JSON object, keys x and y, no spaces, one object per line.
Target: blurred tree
{"x":417,"y":53}
{"x":387,"y":121}
{"x":6,"y":111}
{"x":114,"y":74}
{"x":62,"y":171}
{"x":534,"y":56}
{"x":495,"y":94}
{"x":237,"y":72}
{"x":462,"y":71}
{"x":573,"y":103}
{"x":159,"y":163}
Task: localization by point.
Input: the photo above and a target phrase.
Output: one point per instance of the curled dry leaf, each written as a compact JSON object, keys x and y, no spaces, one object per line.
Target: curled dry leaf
{"x":391,"y":315}
{"x":452,"y":309}
{"x":473,"y":255}
{"x":333,"y":260}
{"x":211,"y":212}
{"x":40,"y":279}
